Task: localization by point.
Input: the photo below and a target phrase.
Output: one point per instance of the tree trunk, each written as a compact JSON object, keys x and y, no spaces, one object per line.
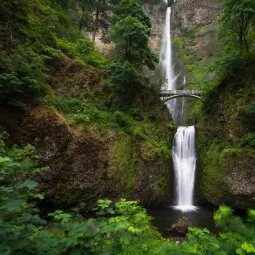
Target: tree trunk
{"x":95,"y":26}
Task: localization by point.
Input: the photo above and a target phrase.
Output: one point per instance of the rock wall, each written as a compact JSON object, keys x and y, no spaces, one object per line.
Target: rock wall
{"x":195,"y":36}
{"x":190,"y":13}
{"x":226,"y":155}
{"x":157,"y":14}
{"x":84,"y":165}
{"x":225,"y":142}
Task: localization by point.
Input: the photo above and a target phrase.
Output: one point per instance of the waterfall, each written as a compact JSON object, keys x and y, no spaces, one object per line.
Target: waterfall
{"x":184,"y":159}
{"x":184,"y":156}
{"x":166,"y":53}
{"x":167,"y":67}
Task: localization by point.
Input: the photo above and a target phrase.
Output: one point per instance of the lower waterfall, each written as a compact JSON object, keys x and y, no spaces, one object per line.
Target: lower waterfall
{"x":184,"y":159}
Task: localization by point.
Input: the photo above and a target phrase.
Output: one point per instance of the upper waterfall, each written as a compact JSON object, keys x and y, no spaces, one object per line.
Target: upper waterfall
{"x":166,"y":54}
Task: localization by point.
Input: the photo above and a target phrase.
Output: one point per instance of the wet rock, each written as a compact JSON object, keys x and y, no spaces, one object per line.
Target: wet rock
{"x":181,"y":227}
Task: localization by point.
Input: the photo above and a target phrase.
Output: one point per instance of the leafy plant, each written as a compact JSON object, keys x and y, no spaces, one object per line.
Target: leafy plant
{"x":237,"y":20}
{"x":22,"y":75}
{"x":121,"y":228}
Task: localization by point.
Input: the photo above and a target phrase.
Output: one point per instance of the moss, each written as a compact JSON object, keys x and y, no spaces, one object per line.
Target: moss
{"x":248,"y":140}
{"x":230,"y":152}
{"x":196,"y":68}
{"x":211,"y":175}
{"x":152,"y":151}
{"x":124,"y":162}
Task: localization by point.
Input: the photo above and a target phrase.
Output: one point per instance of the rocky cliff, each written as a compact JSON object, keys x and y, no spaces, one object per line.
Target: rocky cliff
{"x":225,"y":117}
{"x":226,"y":143}
{"x":91,"y":152}
{"x":195,"y":36}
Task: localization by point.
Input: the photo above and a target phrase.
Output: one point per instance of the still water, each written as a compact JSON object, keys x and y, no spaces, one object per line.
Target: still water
{"x":164,"y":218}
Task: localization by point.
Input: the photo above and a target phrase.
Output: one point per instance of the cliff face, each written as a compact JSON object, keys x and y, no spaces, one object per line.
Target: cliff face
{"x":225,"y":128}
{"x":190,"y":13}
{"x":195,"y":36}
{"x":226,"y":143}
{"x":157,"y":14}
{"x":89,"y":160}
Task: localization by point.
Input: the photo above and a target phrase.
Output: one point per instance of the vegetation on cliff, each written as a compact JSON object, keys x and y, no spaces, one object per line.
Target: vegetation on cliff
{"x":92,"y":117}
{"x":231,"y":92}
{"x":120,"y":228}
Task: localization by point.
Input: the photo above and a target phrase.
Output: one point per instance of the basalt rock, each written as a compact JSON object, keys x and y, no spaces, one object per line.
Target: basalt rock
{"x":226,"y":152}
{"x":82,"y":168}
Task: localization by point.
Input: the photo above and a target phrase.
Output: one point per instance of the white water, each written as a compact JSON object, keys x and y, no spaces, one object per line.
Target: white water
{"x":184,"y":158}
{"x":166,"y":54}
{"x":184,"y":154}
{"x":166,"y":63}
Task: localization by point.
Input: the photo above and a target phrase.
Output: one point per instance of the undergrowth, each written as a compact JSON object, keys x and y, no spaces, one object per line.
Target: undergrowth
{"x":120,"y":228}
{"x":134,"y":123}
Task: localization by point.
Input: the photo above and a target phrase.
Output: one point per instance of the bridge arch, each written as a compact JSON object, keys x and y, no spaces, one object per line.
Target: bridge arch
{"x":176,"y":96}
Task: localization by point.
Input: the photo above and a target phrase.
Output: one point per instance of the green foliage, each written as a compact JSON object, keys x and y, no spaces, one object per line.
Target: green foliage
{"x":22,"y":75}
{"x":120,"y":228}
{"x":35,"y":32}
{"x":249,"y":139}
{"x":132,"y":8}
{"x":85,"y":49}
{"x":231,"y":62}
{"x":235,"y":232}
{"x":237,"y":21}
{"x":134,"y":123}
{"x":124,"y":159}
{"x":92,"y":15}
{"x":248,"y":110}
{"x":131,"y":38}
{"x":123,"y":78}
{"x":130,"y":31}
{"x":19,"y":219}
{"x":13,"y":14}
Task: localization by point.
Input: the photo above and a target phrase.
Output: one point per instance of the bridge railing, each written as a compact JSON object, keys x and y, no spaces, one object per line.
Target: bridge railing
{"x":180,"y":92}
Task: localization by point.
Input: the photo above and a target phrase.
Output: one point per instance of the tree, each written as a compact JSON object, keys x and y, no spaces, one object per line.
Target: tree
{"x":124,"y":79}
{"x":23,"y":76}
{"x":131,"y":8}
{"x":131,"y":38}
{"x":237,"y":20}
{"x":131,"y":31}
{"x":13,"y":13}
{"x":95,"y":15}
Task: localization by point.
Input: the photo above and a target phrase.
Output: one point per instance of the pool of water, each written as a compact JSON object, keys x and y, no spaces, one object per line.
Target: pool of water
{"x":164,"y":218}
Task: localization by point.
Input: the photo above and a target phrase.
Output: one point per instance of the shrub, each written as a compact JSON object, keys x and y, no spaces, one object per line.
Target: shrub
{"x":22,"y":75}
{"x":121,"y":228}
{"x":248,"y":139}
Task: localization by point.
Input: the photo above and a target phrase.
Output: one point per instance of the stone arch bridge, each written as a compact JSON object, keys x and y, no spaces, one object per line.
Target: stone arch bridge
{"x":168,"y":95}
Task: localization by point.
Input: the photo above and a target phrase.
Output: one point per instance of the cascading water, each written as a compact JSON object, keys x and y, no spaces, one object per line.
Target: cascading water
{"x":166,"y":64}
{"x":184,"y":156}
{"x":166,"y":54}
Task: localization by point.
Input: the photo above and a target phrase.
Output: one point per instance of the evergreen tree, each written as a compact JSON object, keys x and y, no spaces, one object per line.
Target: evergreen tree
{"x":237,"y":21}
{"x":95,"y":15}
{"x":131,"y":31}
